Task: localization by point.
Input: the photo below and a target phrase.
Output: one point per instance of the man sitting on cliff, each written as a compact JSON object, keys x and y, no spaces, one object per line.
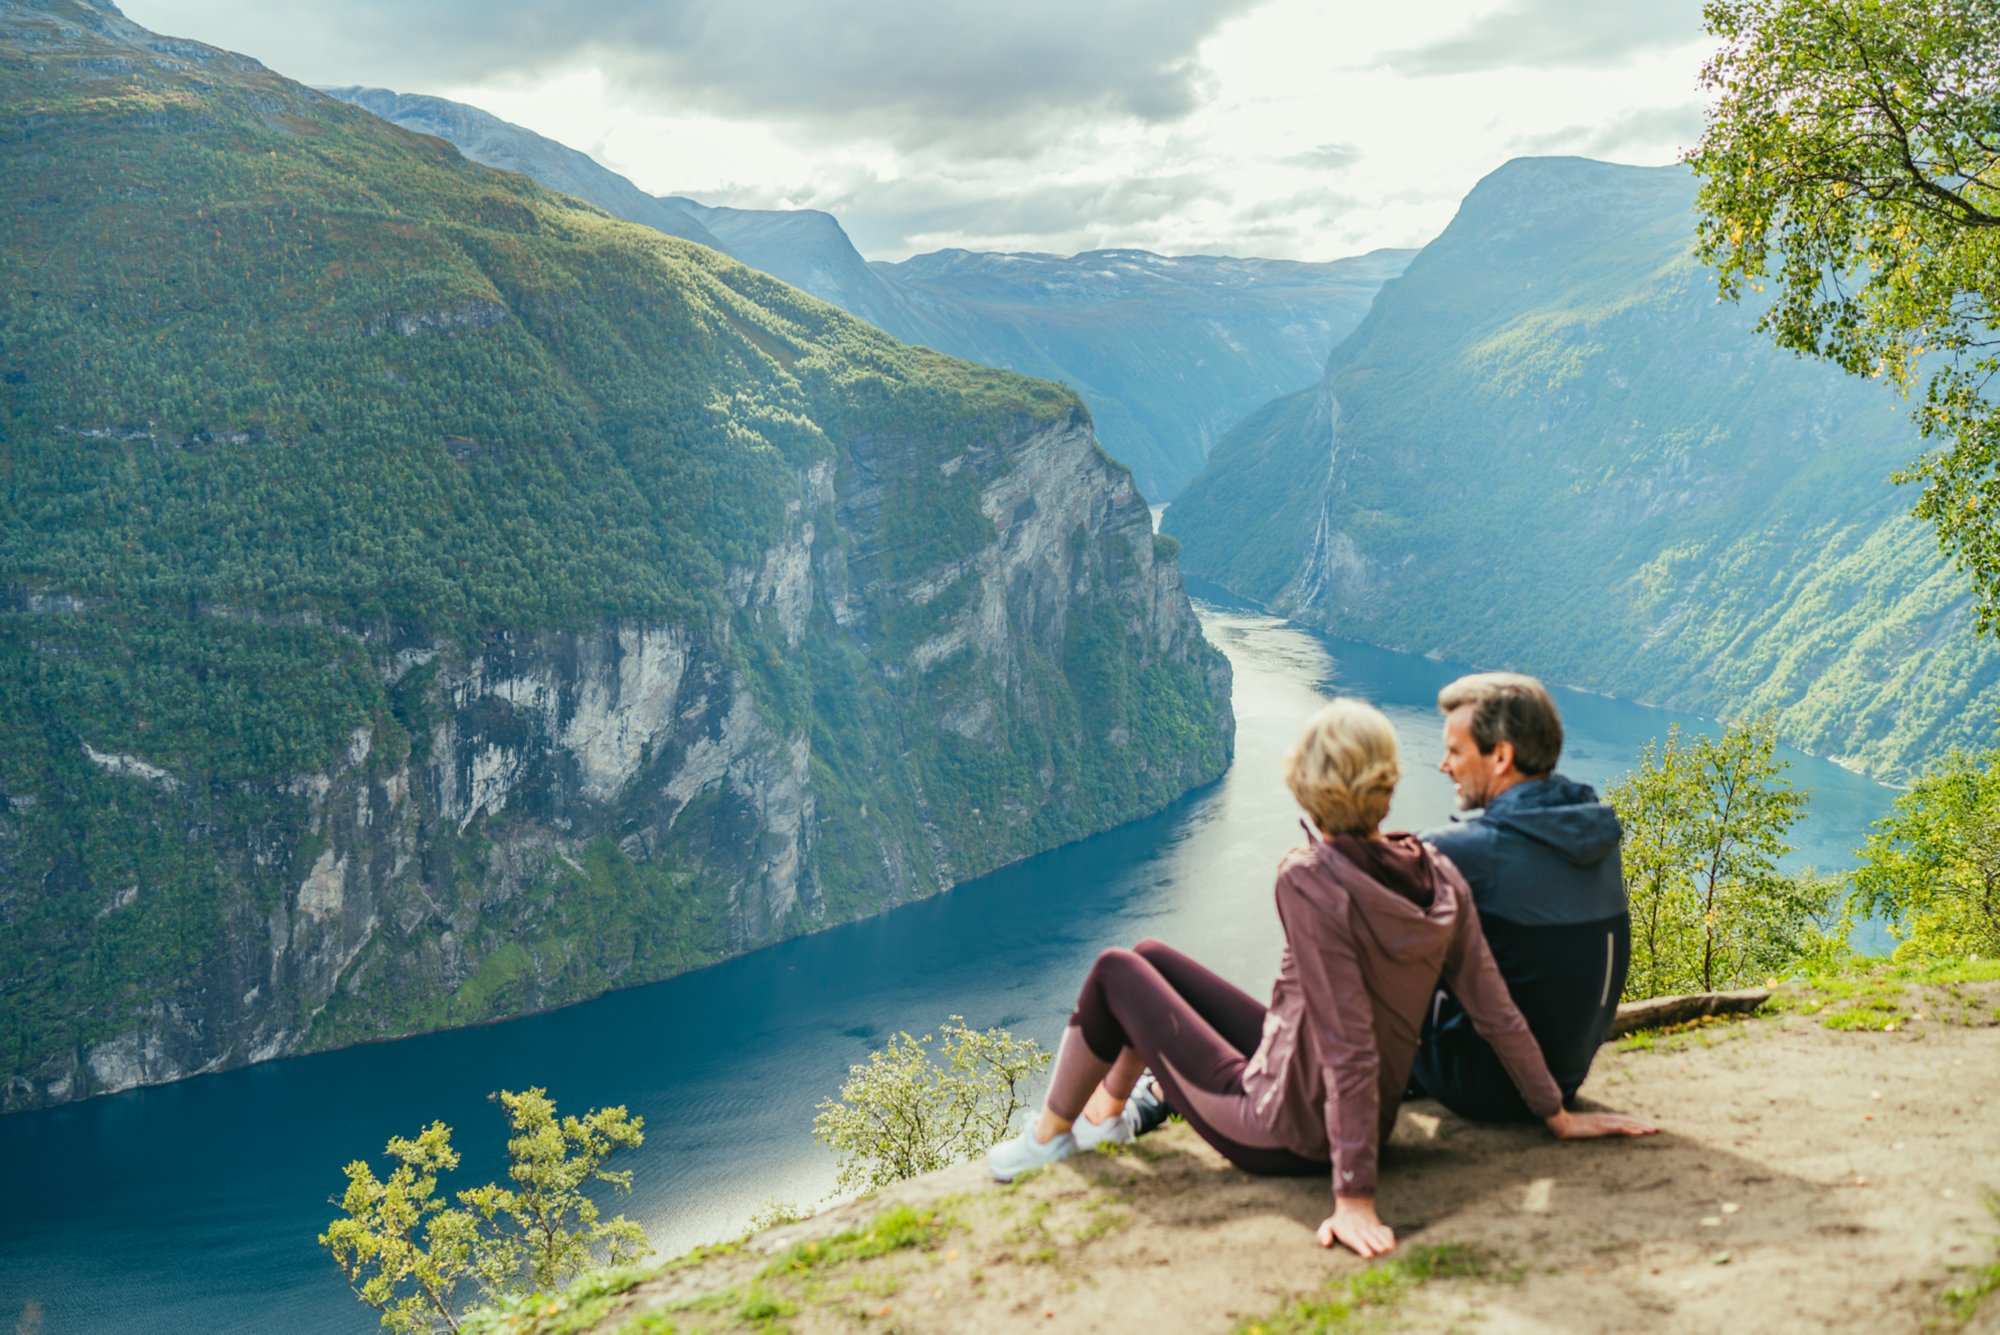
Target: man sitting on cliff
{"x":1541,"y":856}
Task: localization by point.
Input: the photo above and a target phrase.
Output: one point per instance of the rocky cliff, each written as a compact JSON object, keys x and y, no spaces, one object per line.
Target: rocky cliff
{"x":424,"y":599}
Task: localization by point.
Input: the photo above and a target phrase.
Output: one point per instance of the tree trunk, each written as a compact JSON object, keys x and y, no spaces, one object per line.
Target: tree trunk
{"x":1658,"y":1012}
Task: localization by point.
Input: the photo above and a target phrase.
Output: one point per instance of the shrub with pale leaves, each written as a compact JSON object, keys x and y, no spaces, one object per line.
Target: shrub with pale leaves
{"x":927,"y":1103}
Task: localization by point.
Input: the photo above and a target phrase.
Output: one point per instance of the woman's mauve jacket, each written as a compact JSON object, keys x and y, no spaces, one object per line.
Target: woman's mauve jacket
{"x":1361,"y":964}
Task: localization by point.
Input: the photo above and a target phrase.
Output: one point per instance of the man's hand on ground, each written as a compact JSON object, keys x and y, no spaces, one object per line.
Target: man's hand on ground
{"x":1591,"y":1125}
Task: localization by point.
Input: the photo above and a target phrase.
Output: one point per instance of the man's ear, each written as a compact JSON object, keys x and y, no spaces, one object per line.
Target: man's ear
{"x":1503,"y":758}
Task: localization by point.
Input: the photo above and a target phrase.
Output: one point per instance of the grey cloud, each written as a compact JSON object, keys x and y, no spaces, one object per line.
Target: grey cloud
{"x":906,"y":70}
{"x":1327,"y":157}
{"x":1644,"y":128}
{"x":891,"y":217}
{"x":1550,"y":34}
{"x":1326,"y":203}
{"x":1569,"y":139}
{"x":1180,"y":91}
{"x":1681,"y":126}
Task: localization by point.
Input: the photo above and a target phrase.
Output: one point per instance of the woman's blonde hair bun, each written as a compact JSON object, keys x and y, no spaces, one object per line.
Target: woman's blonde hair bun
{"x":1344,"y":769}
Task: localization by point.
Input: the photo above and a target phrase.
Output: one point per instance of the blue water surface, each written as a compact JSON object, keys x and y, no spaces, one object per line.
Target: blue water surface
{"x":194,"y":1207}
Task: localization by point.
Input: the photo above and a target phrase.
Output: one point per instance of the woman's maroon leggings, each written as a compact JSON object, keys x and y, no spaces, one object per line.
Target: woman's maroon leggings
{"x":1195,"y":1030}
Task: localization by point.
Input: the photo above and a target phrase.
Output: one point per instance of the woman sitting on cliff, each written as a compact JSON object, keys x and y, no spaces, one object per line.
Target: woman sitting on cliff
{"x":1310,"y":1084}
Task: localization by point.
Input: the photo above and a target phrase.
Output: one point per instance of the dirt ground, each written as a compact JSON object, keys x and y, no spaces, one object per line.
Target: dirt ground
{"x":1808,"y":1178}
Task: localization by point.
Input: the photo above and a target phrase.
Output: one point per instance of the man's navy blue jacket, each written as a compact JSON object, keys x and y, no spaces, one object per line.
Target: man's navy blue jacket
{"x":1542,"y":860}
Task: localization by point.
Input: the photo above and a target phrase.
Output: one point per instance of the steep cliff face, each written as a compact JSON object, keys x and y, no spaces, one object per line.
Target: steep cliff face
{"x":546,"y":815}
{"x":393,"y":636}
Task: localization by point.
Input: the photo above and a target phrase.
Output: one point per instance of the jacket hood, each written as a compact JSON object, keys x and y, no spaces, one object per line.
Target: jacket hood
{"x":1400,"y":927}
{"x":1565,"y":816}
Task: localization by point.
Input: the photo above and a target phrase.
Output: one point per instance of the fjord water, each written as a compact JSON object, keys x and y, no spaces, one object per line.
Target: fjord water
{"x":195,"y":1206}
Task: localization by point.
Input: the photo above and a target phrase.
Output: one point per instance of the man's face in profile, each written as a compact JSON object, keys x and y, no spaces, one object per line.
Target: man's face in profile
{"x":1472,"y":774}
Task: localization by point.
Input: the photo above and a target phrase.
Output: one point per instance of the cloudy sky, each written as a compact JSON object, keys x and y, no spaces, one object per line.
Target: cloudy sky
{"x":1293,"y":128}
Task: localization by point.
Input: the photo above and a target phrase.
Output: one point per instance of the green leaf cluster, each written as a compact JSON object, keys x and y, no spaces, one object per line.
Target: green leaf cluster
{"x":405,"y":1251}
{"x":1705,"y":820}
{"x":1932,"y":865}
{"x":1852,"y":154}
{"x":402,"y":1249}
{"x":926,"y":1103}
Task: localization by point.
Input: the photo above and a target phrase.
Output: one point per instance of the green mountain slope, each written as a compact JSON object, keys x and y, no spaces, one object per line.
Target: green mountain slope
{"x":1549,"y":448}
{"x":487,"y":139}
{"x":1168,"y":351}
{"x":425,"y":598}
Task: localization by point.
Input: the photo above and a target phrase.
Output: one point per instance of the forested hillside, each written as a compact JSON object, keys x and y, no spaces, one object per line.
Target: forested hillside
{"x":425,"y":598}
{"x":1550,"y":448}
{"x":1167,"y":351}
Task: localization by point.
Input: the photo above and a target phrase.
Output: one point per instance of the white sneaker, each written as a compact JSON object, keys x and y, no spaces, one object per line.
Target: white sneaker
{"x":1011,"y":1158}
{"x":1111,"y":1131}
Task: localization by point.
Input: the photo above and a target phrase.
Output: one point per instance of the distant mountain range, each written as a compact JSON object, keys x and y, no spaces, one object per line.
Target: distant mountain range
{"x":1168,"y":352}
{"x":1549,"y":447}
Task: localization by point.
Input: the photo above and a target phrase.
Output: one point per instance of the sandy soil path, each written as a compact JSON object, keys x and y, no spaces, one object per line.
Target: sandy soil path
{"x":1808,"y":1179}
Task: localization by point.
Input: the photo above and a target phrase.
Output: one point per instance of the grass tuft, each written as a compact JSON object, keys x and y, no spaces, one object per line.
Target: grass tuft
{"x":1349,"y":1302}
{"x":1874,"y":995}
{"x":893,"y":1230}
{"x":1962,"y":1301}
